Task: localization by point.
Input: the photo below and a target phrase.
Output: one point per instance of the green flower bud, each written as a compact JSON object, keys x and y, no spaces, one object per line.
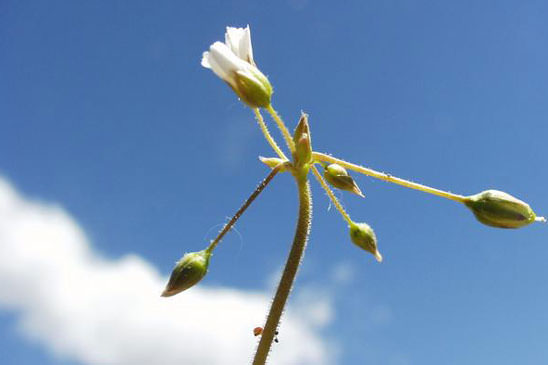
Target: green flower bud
{"x":188,"y":271}
{"x":337,"y":176}
{"x":303,"y":151}
{"x":301,"y":128}
{"x":303,"y":144}
{"x":499,"y":209}
{"x":363,"y":236}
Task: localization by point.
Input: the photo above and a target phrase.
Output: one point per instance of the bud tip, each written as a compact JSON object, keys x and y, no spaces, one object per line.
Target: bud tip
{"x":540,"y":219}
{"x":378,"y":256}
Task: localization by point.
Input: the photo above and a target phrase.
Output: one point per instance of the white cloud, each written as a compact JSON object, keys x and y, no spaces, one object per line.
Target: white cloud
{"x":314,"y":304}
{"x":94,"y":310}
{"x":343,"y":273}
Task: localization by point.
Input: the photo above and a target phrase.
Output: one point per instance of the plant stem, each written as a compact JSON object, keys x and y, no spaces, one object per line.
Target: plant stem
{"x":281,"y":125}
{"x":387,"y":177}
{"x":332,"y":196}
{"x":290,"y":270}
{"x":267,"y":134}
{"x":244,"y":206}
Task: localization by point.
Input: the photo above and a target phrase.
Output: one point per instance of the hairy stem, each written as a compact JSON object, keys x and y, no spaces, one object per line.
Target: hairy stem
{"x":267,"y":134}
{"x":281,"y":125}
{"x":331,"y":196}
{"x":290,"y":270}
{"x":244,"y":206}
{"x":387,"y":177}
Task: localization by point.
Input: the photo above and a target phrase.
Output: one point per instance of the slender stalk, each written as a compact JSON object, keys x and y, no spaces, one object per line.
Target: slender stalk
{"x":290,"y":270}
{"x":227,"y":227}
{"x":329,"y":192}
{"x":387,"y":177}
{"x":281,"y":125}
{"x":267,"y":134}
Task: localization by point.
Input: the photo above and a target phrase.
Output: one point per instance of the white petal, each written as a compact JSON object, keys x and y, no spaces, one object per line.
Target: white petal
{"x":239,"y":41}
{"x":205,"y":60}
{"x":246,"y":51}
{"x":224,"y":62}
{"x":232,"y":39}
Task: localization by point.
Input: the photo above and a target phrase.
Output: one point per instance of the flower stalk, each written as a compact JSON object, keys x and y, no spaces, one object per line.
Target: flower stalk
{"x":290,"y":270}
{"x":282,"y":127}
{"x":332,"y":196}
{"x":387,"y":177}
{"x":267,"y":134}
{"x":227,"y":227}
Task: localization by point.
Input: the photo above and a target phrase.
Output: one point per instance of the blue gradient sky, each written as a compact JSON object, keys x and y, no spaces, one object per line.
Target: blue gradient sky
{"x":105,"y":109}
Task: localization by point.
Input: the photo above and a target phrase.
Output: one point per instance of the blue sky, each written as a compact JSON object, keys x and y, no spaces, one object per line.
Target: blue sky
{"x":106,"y":113}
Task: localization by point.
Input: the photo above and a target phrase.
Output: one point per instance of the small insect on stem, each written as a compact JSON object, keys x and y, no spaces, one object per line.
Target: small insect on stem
{"x":257,"y":331}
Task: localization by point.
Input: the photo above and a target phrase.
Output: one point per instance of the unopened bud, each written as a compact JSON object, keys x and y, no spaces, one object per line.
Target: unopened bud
{"x":188,"y":271}
{"x":303,"y":144}
{"x":303,"y":150}
{"x":337,"y":176}
{"x":301,"y":128}
{"x":499,"y":209}
{"x":363,"y":236}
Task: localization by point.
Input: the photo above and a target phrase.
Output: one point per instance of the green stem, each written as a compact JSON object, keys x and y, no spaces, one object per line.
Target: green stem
{"x":387,"y":177}
{"x":244,"y":206}
{"x":332,"y":196}
{"x":281,"y":125}
{"x":290,"y":270}
{"x":267,"y":135}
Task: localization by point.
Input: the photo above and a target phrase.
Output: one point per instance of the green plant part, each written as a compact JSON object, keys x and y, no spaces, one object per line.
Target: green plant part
{"x":271,"y":161}
{"x":363,"y":236}
{"x":338,"y":177}
{"x":252,"y":87}
{"x":499,"y":209}
{"x":303,"y":143}
{"x":188,"y":271}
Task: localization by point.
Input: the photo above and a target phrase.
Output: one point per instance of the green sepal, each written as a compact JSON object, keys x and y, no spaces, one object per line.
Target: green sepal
{"x":339,"y":178}
{"x":363,"y":236}
{"x":254,"y":90}
{"x":499,"y":209}
{"x":188,"y":271}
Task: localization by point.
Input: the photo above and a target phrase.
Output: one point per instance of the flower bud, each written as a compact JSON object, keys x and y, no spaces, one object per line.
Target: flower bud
{"x":338,"y":177}
{"x":301,"y":128}
{"x":303,"y":150}
{"x":363,"y":236}
{"x":499,"y":209}
{"x":188,"y":271}
{"x":303,"y":144}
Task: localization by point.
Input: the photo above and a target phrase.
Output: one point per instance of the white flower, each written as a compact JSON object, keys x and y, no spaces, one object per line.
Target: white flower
{"x":233,"y":62}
